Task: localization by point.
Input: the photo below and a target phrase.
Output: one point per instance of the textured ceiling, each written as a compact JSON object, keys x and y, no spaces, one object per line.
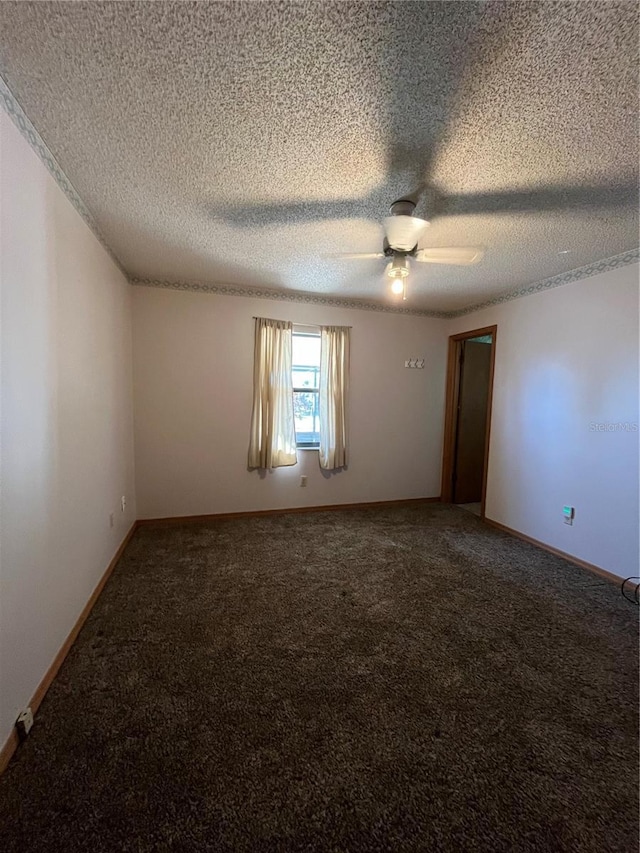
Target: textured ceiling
{"x":243,"y":142}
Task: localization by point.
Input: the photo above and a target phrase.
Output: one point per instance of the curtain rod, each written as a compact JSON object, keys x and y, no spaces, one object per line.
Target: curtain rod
{"x":304,"y":325}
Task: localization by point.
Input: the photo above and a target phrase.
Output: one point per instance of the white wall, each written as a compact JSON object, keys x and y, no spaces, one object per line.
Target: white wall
{"x":567,"y":359}
{"x":193,"y":375}
{"x":66,"y":418}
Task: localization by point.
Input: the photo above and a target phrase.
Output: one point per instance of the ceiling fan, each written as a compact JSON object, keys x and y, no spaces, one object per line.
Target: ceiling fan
{"x":403,"y":232}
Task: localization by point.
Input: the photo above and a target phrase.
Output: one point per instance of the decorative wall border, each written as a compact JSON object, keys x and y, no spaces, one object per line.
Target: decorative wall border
{"x":606,"y":264}
{"x":18,"y":116}
{"x":284,"y":296}
{"x":612,"y":263}
{"x":28,"y":131}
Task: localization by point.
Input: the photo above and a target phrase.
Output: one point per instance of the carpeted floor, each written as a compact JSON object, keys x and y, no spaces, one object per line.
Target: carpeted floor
{"x":389,"y":679}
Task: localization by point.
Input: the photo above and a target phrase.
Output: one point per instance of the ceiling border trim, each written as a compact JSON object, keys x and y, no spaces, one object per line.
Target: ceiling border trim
{"x":605,"y":265}
{"x":18,"y":116}
{"x":577,"y":274}
{"x":284,"y":296}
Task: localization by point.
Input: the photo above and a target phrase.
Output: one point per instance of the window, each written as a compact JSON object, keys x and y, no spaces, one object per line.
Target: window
{"x":306,"y":387}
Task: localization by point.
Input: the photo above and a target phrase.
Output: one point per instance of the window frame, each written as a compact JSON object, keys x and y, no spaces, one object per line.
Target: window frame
{"x":305,"y":333}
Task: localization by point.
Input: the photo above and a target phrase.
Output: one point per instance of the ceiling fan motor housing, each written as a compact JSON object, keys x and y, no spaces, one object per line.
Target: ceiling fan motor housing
{"x":402,"y":207}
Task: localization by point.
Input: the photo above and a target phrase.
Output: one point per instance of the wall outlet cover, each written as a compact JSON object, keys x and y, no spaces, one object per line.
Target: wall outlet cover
{"x":24,"y":722}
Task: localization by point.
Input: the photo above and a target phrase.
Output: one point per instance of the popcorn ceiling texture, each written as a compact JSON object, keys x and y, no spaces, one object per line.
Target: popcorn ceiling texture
{"x":26,"y":128}
{"x":236,"y":144}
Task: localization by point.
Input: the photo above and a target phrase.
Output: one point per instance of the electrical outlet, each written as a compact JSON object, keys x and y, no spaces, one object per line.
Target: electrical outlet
{"x":24,"y":722}
{"x":303,"y":480}
{"x":111,"y":519}
{"x":123,"y":503}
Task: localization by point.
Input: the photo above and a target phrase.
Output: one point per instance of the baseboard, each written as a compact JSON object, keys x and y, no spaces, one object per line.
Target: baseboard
{"x":13,"y":741}
{"x":603,"y":573}
{"x":222,"y":516}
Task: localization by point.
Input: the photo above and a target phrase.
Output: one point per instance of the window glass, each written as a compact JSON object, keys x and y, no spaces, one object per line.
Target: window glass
{"x":306,"y":378}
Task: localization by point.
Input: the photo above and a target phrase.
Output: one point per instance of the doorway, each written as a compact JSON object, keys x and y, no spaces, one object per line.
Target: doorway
{"x":468,"y":418}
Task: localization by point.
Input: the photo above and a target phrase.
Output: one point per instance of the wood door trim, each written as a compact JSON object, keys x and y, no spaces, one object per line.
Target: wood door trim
{"x":451,"y":405}
{"x":487,"y":437}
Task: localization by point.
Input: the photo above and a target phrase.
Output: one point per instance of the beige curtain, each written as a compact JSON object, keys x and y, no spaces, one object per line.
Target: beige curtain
{"x":334,"y":385}
{"x":273,"y":437}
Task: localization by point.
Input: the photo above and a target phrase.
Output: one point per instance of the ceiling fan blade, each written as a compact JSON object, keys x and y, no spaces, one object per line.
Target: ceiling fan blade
{"x":355,"y":256}
{"x":404,"y":232}
{"x":460,"y":256}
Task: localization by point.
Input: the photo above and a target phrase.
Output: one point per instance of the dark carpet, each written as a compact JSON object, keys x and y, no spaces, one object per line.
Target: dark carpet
{"x":388,"y":679}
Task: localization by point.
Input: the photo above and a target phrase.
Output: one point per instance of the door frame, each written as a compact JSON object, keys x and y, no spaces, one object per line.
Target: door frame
{"x":451,"y":408}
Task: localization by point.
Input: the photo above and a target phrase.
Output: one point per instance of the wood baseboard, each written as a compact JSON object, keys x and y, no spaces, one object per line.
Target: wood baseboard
{"x":603,"y":573}
{"x":224,"y":516}
{"x":13,"y":740}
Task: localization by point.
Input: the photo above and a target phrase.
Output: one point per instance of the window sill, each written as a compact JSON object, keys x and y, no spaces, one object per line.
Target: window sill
{"x":308,"y":448}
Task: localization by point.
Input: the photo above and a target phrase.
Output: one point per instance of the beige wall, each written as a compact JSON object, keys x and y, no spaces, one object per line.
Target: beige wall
{"x":66,"y":426}
{"x":193,"y":374}
{"x":566,"y":361}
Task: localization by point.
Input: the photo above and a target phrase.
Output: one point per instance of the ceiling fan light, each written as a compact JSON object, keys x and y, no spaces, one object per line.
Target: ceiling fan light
{"x":397,"y":286}
{"x":398,"y":268}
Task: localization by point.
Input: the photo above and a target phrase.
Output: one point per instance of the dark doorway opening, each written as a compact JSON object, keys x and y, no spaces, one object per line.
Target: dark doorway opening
{"x":468,"y":418}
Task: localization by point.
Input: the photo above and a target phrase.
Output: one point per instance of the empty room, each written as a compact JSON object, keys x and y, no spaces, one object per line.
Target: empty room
{"x":319,"y":481}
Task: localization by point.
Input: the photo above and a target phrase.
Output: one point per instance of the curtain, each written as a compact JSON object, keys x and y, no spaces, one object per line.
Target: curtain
{"x":334,"y":383}
{"x":273,"y":437}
